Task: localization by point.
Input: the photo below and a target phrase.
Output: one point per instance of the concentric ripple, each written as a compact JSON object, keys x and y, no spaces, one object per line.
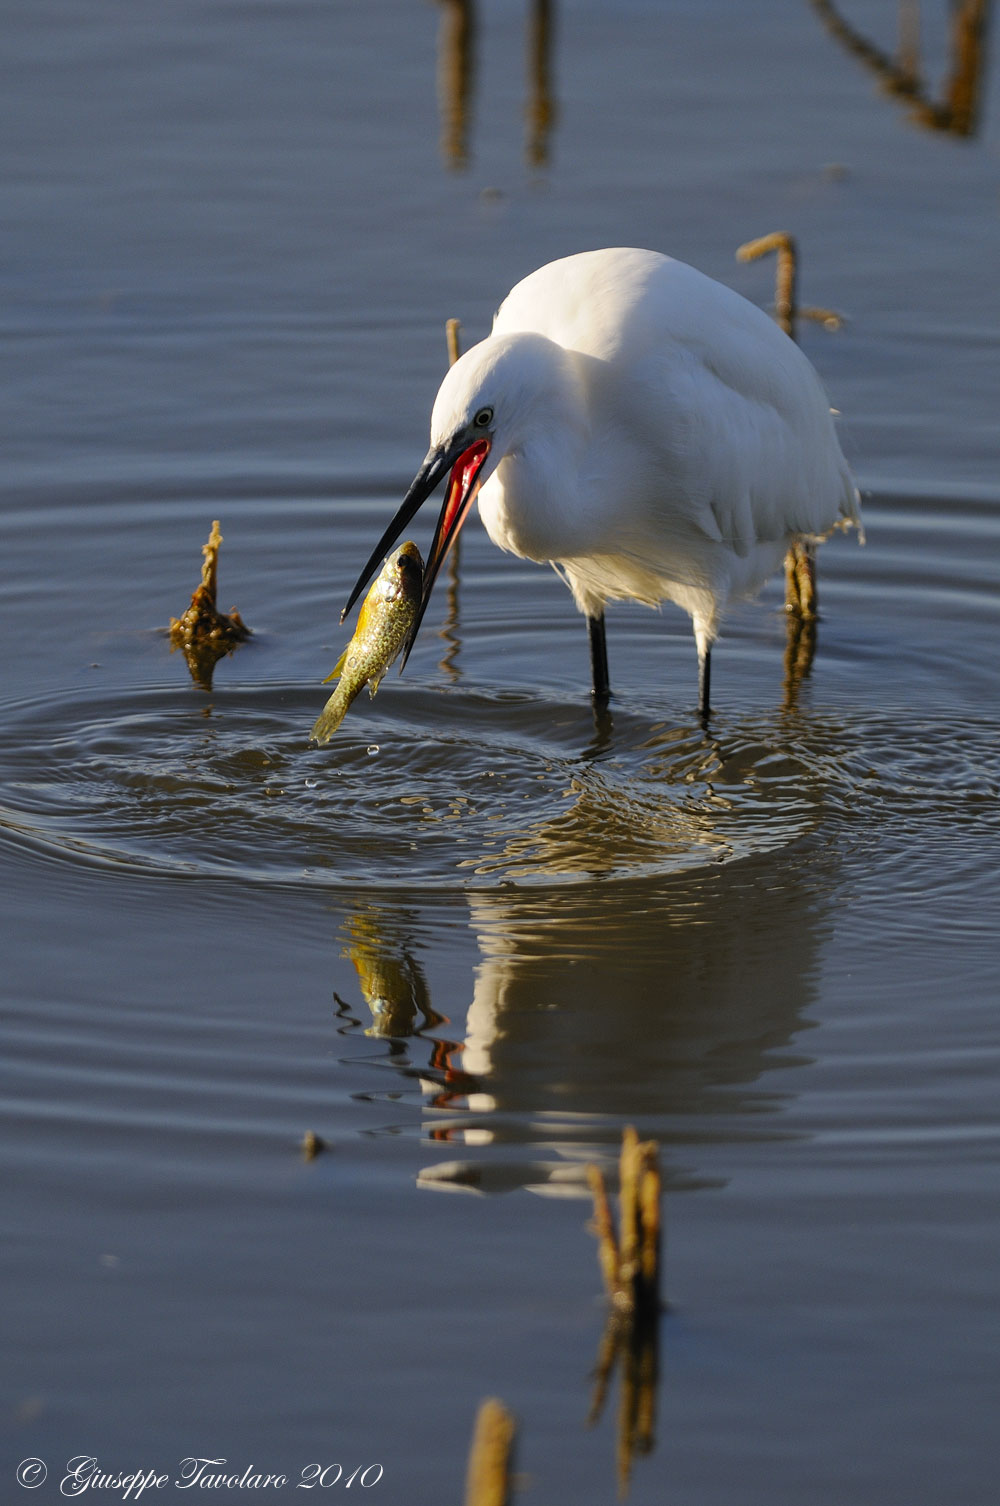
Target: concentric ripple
{"x":438,"y":790}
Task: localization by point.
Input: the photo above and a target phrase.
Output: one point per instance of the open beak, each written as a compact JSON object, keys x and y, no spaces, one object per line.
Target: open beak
{"x":465,"y":461}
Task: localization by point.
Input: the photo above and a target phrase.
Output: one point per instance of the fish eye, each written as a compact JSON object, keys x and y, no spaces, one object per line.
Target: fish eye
{"x":483,"y":417}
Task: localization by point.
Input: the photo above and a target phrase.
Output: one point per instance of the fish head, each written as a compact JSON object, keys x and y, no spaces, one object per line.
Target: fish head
{"x":502,"y":392}
{"x":399,"y":583}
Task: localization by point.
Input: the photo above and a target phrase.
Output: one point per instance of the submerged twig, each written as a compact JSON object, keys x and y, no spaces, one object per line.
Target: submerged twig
{"x":313,"y":1145}
{"x":488,"y":1479}
{"x":801,"y":596}
{"x":630,"y":1261}
{"x":203,"y":632}
{"x":630,"y":1265}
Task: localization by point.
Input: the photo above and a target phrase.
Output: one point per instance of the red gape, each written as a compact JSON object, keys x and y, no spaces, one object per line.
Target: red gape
{"x":463,"y":477}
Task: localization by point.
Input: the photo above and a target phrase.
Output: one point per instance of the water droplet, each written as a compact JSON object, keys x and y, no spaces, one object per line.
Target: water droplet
{"x":312,"y":784}
{"x":373,"y":748}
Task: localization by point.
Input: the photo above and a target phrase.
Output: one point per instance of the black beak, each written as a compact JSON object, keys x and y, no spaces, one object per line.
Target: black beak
{"x":459,"y":498}
{"x":436,"y":466}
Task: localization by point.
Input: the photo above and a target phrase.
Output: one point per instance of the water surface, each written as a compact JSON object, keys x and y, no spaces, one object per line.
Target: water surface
{"x":479,"y":933}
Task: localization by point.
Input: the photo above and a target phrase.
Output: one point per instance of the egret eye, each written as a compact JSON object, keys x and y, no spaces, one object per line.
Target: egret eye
{"x":483,"y":418}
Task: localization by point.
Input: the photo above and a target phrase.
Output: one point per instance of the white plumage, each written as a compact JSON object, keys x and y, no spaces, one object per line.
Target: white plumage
{"x":647,"y":431}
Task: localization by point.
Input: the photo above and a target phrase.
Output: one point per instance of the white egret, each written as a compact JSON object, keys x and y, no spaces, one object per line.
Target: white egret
{"x":643,"y":429}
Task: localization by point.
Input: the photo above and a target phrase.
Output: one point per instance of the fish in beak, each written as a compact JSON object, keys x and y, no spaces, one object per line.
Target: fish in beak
{"x":465,"y":459}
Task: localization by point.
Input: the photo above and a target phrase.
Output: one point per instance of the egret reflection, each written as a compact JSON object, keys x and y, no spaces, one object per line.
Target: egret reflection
{"x":673,"y":797}
{"x":661,"y":1005}
{"x":593,"y":1002}
{"x":666,"y":1005}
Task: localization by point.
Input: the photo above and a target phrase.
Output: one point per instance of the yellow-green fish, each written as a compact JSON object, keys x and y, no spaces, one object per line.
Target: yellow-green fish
{"x":383,"y":622}
{"x":392,"y":982}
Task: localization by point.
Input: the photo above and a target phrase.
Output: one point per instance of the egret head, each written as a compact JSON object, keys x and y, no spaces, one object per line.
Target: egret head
{"x":487,"y":406}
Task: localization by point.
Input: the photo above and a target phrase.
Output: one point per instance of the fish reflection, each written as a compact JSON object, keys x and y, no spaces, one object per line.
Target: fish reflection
{"x":457,"y":72}
{"x":393,"y":986}
{"x":958,"y":108}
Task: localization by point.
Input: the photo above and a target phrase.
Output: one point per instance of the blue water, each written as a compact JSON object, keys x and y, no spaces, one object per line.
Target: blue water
{"x":478,"y":935}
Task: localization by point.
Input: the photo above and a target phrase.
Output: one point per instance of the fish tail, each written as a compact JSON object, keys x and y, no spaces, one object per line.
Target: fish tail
{"x":331,"y":716}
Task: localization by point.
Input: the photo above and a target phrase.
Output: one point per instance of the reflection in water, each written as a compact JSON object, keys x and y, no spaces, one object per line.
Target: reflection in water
{"x":456,"y":80}
{"x":800,"y":644}
{"x":540,"y":112}
{"x":662,"y":1004}
{"x":392,"y":982}
{"x":636,"y":1353}
{"x":958,"y":109}
{"x":642,"y":801}
{"x":660,"y":1001}
{"x":650,"y":1004}
{"x":630,"y":1259}
{"x":456,"y":67}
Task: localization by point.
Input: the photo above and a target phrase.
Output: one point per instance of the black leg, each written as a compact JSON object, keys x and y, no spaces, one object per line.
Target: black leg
{"x":704,"y":683}
{"x":599,"y":659}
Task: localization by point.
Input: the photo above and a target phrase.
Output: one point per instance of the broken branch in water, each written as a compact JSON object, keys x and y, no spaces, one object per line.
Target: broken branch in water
{"x":452,"y":330}
{"x":786,"y":298}
{"x":630,"y":1261}
{"x":786,"y":291}
{"x":313,"y":1145}
{"x":801,"y":595}
{"x":629,"y":1258}
{"x":203,"y":632}
{"x":488,"y":1480}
